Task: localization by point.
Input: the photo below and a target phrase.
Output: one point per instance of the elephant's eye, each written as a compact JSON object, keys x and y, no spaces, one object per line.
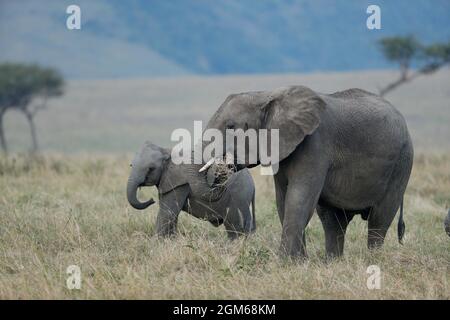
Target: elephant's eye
{"x":230,"y":124}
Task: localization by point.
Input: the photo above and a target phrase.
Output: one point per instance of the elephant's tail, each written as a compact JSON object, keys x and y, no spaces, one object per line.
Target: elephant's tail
{"x":401,"y":225}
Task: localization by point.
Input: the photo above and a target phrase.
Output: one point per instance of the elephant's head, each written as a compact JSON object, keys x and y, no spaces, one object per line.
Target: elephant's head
{"x":146,"y":170}
{"x":295,"y":111}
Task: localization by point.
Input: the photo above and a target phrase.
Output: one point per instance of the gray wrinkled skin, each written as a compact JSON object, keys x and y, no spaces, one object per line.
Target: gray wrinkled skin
{"x":342,"y":154}
{"x":183,"y":188}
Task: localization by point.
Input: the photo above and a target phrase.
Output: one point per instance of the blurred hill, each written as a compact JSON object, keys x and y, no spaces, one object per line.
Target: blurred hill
{"x":154,"y":38}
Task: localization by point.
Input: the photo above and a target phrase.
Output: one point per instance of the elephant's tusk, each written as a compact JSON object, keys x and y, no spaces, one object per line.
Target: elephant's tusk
{"x":229,"y":159}
{"x":207,"y":165}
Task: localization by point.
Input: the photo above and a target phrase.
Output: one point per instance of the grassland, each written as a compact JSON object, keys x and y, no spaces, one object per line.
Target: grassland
{"x":58,"y":211}
{"x":68,"y":206}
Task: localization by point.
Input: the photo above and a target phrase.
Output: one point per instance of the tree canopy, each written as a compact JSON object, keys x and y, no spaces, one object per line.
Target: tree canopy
{"x":20,"y":83}
{"x":400,"y":49}
{"x":20,"y":86}
{"x":407,"y":50}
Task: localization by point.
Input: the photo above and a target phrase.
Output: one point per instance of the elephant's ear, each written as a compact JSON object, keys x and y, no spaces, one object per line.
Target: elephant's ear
{"x":172,"y":177}
{"x":296,"y":112}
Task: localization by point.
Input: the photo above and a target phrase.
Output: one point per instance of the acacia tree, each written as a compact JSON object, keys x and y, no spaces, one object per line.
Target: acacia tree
{"x":406,"y":51}
{"x":26,"y":88}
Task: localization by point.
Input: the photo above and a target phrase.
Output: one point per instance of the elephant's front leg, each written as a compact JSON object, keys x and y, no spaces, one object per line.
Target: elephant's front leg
{"x":170,"y":206}
{"x":280,"y":193}
{"x":301,"y":199}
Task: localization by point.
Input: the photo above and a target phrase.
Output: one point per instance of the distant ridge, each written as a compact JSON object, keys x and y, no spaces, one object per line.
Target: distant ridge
{"x":160,"y":38}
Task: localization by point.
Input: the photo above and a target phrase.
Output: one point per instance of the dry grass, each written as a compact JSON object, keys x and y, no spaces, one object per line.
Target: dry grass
{"x":58,"y":211}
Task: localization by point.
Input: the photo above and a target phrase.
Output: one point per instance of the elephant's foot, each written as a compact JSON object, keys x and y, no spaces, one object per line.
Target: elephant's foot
{"x":294,"y":247}
{"x":296,"y":257}
{"x":375,"y":239}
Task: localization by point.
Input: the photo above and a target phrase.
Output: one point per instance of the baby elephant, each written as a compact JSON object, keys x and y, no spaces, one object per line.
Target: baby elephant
{"x":183,"y":187}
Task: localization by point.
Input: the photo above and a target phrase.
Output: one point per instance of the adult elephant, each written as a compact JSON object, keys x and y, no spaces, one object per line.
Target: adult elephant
{"x":182,"y":188}
{"x":343,"y":154}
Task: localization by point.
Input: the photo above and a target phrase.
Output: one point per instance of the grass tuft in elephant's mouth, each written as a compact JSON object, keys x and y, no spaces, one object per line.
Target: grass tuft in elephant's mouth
{"x":219,"y":173}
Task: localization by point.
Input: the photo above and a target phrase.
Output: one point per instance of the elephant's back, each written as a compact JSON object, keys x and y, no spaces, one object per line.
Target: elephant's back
{"x":364,"y":105}
{"x":367,"y":118}
{"x":241,"y":185}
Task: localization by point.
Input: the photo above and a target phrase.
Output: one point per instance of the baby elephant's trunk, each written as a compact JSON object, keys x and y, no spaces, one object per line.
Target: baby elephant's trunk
{"x":132,"y":188}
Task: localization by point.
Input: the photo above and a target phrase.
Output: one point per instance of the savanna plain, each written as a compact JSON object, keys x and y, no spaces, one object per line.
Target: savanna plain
{"x":67,"y":205}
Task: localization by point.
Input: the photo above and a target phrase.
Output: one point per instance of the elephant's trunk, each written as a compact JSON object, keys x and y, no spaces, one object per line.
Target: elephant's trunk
{"x":132,"y":187}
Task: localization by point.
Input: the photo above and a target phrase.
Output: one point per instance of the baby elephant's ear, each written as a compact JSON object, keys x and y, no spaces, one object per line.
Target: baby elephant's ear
{"x":172,"y":177}
{"x":295,"y":112}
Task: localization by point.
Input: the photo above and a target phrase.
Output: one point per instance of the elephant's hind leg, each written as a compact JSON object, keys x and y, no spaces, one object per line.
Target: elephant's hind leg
{"x":380,"y":218}
{"x":382,"y":214}
{"x":234,"y":222}
{"x":334,"y":222}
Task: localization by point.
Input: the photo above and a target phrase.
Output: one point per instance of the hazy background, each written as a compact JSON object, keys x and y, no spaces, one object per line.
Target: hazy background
{"x":152,"y":38}
{"x":139,"y":69}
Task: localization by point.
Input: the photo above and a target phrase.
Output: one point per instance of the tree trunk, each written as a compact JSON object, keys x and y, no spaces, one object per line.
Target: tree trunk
{"x":30,"y":118}
{"x":3,"y":143}
{"x":393,"y":85}
{"x":406,"y":76}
